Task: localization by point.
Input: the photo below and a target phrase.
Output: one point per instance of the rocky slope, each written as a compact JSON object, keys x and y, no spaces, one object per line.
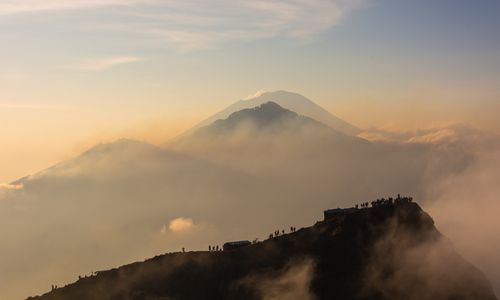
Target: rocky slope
{"x":390,"y":251}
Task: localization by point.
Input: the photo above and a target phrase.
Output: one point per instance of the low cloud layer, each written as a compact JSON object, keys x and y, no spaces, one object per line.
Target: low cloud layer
{"x":7,"y":186}
{"x":293,"y":282}
{"x":420,"y":265}
{"x":115,"y":198}
{"x":464,"y":203}
{"x":466,"y":206}
{"x":447,"y":133}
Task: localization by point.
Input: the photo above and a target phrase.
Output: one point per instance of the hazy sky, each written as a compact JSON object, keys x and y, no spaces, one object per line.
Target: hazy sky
{"x":74,"y":72}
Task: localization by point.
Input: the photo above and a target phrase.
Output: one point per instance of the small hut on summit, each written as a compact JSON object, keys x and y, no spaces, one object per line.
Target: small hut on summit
{"x":235,"y":245}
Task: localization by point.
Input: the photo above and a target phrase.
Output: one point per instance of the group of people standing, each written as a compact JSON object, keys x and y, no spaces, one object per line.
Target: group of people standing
{"x":383,"y":201}
{"x":214,"y":248}
{"x":282,"y":232}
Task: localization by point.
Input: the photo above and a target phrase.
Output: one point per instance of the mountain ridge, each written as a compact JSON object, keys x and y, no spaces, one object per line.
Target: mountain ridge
{"x":292,"y":101}
{"x":327,"y":260}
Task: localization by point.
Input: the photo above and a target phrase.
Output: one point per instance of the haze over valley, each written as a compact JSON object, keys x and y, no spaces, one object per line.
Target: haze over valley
{"x":153,"y":149}
{"x":128,"y":200}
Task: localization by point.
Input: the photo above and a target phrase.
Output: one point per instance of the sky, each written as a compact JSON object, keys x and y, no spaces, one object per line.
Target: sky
{"x":76,"y":72}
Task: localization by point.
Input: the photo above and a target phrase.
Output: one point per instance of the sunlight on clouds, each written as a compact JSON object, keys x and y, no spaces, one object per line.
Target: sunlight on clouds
{"x":196,"y":24}
{"x":105,"y":63}
{"x":7,"y":186}
{"x":178,"y":225}
{"x":445,"y":133}
{"x":257,"y":94}
{"x":246,"y":20}
{"x":30,"y":6}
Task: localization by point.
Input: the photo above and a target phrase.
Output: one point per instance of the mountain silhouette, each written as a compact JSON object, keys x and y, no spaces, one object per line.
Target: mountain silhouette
{"x":268,"y":162}
{"x":109,"y":205}
{"x":389,"y":251}
{"x":288,"y":100}
{"x":268,"y":117}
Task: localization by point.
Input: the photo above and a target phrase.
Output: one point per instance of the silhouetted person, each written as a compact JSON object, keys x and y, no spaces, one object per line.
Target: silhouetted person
{"x":183,"y":250}
{"x":209,"y":248}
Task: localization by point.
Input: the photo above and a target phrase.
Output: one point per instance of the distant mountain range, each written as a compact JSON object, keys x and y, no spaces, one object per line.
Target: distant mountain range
{"x":288,"y":100}
{"x":266,"y":162}
{"x":387,"y":252}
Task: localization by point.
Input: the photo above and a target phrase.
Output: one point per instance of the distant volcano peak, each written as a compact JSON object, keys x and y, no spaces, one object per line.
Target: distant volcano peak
{"x":268,"y":116}
{"x":266,"y":111}
{"x":289,"y":101}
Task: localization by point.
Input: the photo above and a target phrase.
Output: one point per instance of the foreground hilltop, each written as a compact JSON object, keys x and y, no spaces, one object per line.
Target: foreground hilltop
{"x":388,"y":251}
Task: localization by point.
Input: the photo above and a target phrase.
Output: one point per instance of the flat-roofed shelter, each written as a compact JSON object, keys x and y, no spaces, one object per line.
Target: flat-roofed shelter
{"x":235,"y":245}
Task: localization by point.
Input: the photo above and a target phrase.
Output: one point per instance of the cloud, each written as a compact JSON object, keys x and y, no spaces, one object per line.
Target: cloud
{"x":255,"y":95}
{"x":466,"y":208}
{"x":446,"y":133}
{"x":251,"y":177}
{"x":5,"y":188}
{"x":8,"y":186}
{"x":179,"y":225}
{"x":417,"y":263}
{"x":199,"y":24}
{"x":293,"y":282}
{"x":104,"y":63}
{"x":247,"y":20}
{"x":464,"y":202}
{"x":33,"y":6}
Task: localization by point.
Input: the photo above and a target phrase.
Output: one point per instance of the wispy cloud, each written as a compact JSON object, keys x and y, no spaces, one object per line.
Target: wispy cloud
{"x":198,"y":24}
{"x":224,"y":21}
{"x":104,"y":63}
{"x":8,"y":7}
{"x":255,"y":95}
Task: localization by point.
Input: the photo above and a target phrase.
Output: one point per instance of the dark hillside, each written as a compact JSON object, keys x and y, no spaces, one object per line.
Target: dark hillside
{"x":268,"y":116}
{"x":384,"y":252}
